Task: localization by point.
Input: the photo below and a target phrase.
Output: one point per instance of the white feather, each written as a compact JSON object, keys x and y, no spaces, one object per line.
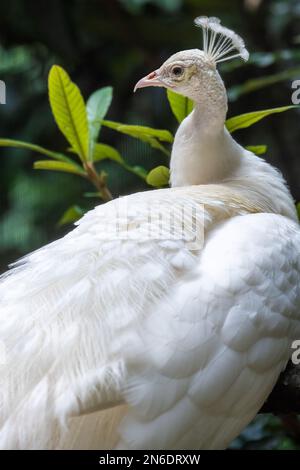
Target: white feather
{"x":219,"y":41}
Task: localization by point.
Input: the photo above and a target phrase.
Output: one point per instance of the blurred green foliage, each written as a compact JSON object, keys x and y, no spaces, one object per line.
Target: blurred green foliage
{"x":112,"y":43}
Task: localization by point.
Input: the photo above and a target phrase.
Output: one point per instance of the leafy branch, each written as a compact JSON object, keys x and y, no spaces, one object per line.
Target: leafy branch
{"x":80,"y":124}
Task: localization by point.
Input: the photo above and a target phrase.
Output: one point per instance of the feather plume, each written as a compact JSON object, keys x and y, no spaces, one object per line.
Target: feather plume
{"x":220,"y":43}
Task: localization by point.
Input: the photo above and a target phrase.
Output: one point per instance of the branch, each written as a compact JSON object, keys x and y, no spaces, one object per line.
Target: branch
{"x":285,"y":397}
{"x":98,"y":180}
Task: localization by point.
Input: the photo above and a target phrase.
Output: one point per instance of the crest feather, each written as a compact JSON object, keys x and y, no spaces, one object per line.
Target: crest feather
{"x":219,"y":41}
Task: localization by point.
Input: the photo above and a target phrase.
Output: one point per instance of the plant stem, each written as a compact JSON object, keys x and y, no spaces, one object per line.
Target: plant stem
{"x":164,"y":150}
{"x":99,"y":181}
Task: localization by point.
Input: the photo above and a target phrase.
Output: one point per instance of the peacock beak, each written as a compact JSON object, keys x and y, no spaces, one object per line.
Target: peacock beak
{"x":150,"y":80}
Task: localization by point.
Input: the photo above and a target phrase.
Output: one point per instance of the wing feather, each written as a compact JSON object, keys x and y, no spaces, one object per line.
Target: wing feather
{"x":220,"y":336}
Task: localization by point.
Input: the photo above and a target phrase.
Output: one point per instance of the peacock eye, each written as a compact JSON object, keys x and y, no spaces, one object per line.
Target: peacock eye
{"x":177,"y":70}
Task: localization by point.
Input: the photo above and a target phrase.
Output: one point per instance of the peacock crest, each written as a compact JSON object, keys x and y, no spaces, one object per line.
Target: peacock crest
{"x":219,"y":42}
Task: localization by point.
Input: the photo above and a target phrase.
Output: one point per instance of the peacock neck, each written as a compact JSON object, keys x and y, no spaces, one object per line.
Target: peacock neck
{"x":210,"y":99}
{"x":203,"y":150}
{"x":204,"y":153}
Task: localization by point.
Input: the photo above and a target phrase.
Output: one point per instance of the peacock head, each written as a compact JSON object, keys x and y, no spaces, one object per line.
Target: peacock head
{"x":188,"y":72}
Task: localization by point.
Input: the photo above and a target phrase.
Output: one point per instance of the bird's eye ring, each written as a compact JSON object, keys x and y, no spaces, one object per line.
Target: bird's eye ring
{"x":177,"y":70}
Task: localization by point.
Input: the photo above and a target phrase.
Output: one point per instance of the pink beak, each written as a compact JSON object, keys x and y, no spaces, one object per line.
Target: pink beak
{"x":150,"y":80}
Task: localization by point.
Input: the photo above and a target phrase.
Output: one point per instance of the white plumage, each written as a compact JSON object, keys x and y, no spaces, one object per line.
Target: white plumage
{"x":142,"y":342}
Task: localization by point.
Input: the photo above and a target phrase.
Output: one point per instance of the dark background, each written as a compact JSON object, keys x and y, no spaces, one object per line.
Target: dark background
{"x":115,"y":42}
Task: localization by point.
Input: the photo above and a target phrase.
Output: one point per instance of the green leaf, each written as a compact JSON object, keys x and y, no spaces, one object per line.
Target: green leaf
{"x":71,"y":215}
{"x":140,"y":131}
{"x":96,"y":108}
{"x":58,"y":166}
{"x":136,"y":170}
{"x":262,"y":82}
{"x":180,"y":105}
{"x":151,"y":136}
{"x":144,"y":132}
{"x":298,"y":209}
{"x":257,"y":149}
{"x":139,"y":171}
{"x":248,"y":119}
{"x":159,"y":176}
{"x":103,"y":151}
{"x":93,"y":194}
{"x":34,"y":148}
{"x":69,"y":110}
